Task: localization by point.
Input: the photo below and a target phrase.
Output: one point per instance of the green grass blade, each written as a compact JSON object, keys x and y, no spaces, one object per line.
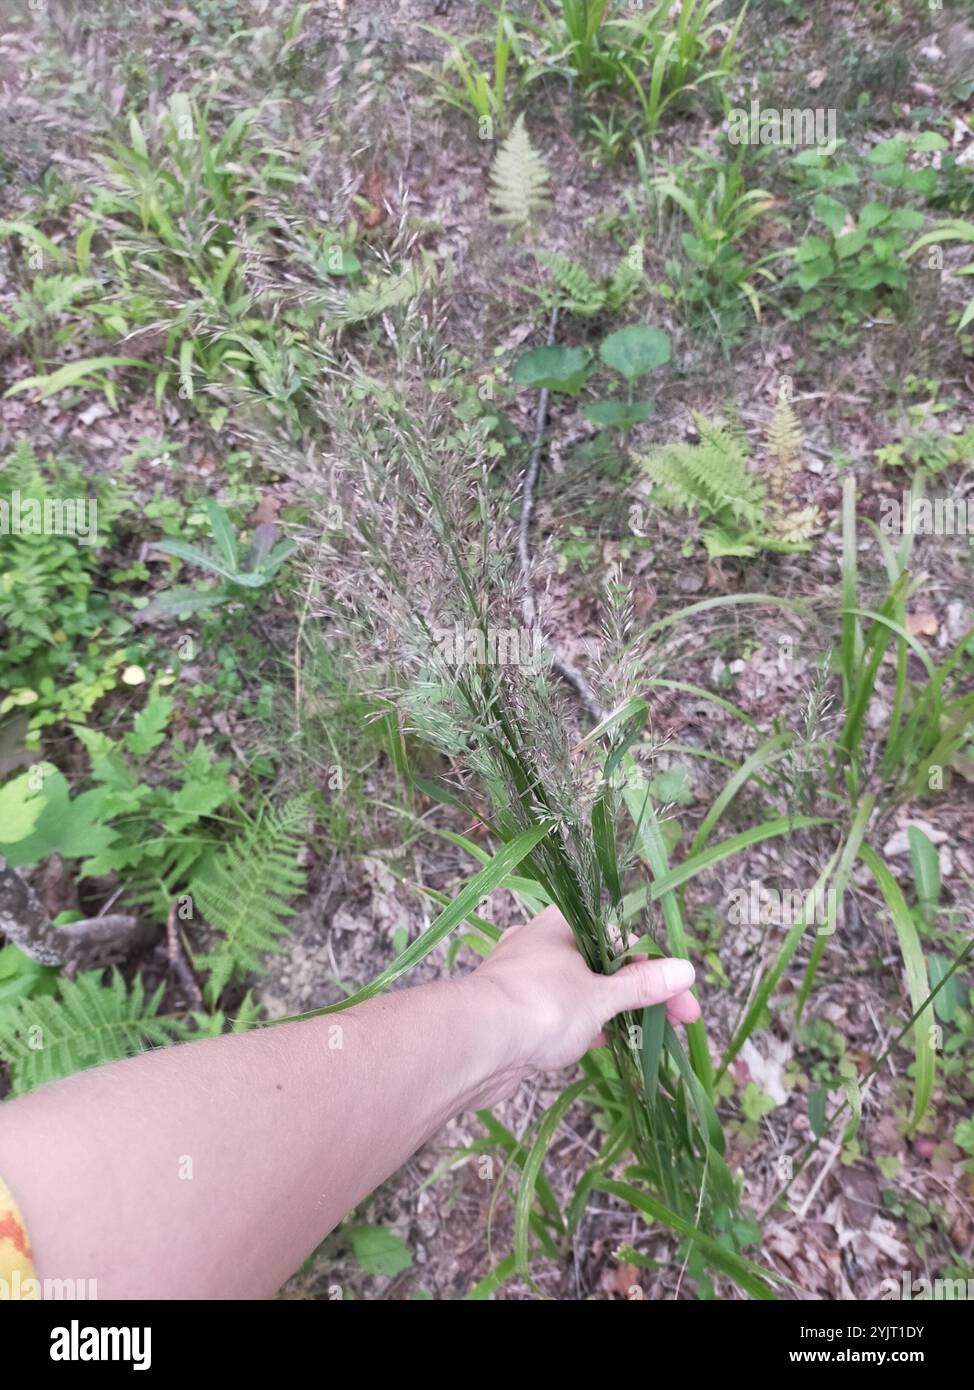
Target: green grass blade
{"x":770,"y":981}
{"x":847,"y":862}
{"x":761,"y":756}
{"x":532,"y":1168}
{"x":916,"y":978}
{"x":749,"y":1276}
{"x":767,"y":830}
{"x":651,"y":848}
{"x":467,"y":901}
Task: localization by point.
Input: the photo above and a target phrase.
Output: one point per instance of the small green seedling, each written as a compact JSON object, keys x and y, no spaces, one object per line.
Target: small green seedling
{"x":256,"y":570}
{"x":632,"y":352}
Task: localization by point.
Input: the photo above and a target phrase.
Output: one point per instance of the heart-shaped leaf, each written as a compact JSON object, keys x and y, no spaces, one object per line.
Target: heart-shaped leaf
{"x":634,"y":351}
{"x":557,"y":368}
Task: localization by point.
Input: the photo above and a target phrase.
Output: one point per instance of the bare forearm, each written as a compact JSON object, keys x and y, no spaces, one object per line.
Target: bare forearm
{"x":214,"y":1168}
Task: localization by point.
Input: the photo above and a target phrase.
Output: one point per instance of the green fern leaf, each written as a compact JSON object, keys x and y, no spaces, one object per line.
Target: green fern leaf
{"x":719,"y":467}
{"x":243,"y":894}
{"x":519,"y":179}
{"x":626,"y":279}
{"x":713,"y":481}
{"x":582,"y":296}
{"x":87,"y":1023}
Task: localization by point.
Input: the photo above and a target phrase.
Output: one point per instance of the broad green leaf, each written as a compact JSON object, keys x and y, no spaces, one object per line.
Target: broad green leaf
{"x":21,"y":976}
{"x":223,"y":534}
{"x":378,"y":1250}
{"x":830,"y":211}
{"x":555,"y":368}
{"x":926,"y":872}
{"x":149,"y":727}
{"x":492,"y":1281}
{"x":21,"y":804}
{"x":929,"y":140}
{"x":194,"y":556}
{"x":636,"y":350}
{"x":618,"y":415}
{"x":184,"y":600}
{"x":74,"y":829}
{"x":816,"y":1111}
{"x":950,"y":998}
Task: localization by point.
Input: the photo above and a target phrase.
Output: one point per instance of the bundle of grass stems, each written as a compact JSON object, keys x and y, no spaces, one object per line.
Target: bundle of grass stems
{"x":418,"y":584}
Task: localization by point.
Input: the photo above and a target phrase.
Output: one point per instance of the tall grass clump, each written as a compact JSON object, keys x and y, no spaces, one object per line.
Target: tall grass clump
{"x":424,"y":589}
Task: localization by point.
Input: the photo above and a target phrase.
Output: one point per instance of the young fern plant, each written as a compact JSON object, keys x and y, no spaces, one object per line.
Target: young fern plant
{"x":244,"y":894}
{"x":45,"y":1037}
{"x":519,"y":180}
{"x":742,"y":511}
{"x":579,"y":292}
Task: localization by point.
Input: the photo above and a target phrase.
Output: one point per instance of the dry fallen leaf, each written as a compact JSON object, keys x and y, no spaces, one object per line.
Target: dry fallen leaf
{"x":921,"y":624}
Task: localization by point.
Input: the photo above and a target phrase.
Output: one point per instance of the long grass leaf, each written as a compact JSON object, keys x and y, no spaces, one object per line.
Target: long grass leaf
{"x":916,"y":979}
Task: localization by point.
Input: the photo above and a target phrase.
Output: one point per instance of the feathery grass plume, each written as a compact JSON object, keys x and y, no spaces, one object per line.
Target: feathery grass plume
{"x":420,"y":589}
{"x":802,"y":766}
{"x":518,"y":179}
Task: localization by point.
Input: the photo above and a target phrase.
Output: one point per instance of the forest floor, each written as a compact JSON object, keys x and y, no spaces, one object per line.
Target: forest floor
{"x":881,"y":383}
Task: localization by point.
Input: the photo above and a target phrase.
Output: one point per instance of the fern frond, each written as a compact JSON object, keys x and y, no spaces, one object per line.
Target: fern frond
{"x":214,"y":1025}
{"x":518,"y":178}
{"x":785,"y":435}
{"x":790,"y":526}
{"x":720,"y":467}
{"x":87,"y":1023}
{"x":626,"y":279}
{"x":713,"y":481}
{"x":20,"y":469}
{"x":721,"y":542}
{"x":243,"y":893}
{"x":793,"y":529}
{"x":583,"y":296}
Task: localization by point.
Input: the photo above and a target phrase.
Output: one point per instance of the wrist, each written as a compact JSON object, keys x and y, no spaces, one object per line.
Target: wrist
{"x":498,"y":1056}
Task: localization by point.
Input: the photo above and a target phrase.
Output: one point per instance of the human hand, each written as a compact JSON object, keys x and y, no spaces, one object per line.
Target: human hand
{"x":554,"y":1006}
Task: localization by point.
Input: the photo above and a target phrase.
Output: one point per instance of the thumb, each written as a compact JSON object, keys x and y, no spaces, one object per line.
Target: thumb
{"x":647,"y":982}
